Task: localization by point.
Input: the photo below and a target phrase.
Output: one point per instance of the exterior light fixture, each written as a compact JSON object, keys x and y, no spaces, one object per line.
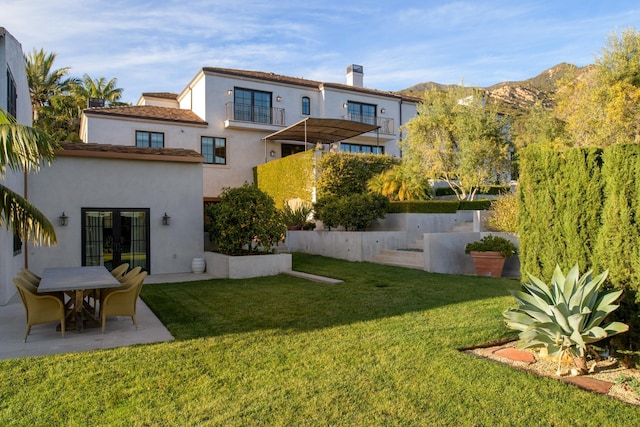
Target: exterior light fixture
{"x":230,"y":92}
{"x":63,"y":220}
{"x":345,"y":105}
{"x":166,"y":219}
{"x":272,"y":153}
{"x":383,"y":110}
{"x":278,"y":98}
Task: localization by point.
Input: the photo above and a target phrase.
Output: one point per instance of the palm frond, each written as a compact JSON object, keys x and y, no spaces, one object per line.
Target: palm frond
{"x":21,"y":217}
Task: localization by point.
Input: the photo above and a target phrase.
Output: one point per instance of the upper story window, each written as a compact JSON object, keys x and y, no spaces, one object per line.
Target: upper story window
{"x":12,"y":95}
{"x":149,"y":139}
{"x":306,"y":105}
{"x":364,"y":113}
{"x":252,"y":105}
{"x":363,"y":149}
{"x":214,"y":150}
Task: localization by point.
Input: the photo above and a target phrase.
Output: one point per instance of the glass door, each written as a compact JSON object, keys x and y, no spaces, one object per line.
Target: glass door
{"x":111,"y":237}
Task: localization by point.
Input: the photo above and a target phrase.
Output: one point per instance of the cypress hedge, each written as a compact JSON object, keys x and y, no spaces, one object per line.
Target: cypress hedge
{"x":288,"y":178}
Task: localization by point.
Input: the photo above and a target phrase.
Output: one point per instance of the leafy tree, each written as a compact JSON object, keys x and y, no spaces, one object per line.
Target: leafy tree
{"x":457,"y":138}
{"x":601,"y":108}
{"x":23,"y":148}
{"x":44,"y":81}
{"x":539,"y":125}
{"x":61,"y":118}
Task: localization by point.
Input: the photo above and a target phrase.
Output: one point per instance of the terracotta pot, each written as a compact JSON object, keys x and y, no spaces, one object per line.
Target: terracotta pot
{"x":488,"y":263}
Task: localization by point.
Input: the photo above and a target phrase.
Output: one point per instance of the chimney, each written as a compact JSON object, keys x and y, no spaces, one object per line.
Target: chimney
{"x":355,"y":75}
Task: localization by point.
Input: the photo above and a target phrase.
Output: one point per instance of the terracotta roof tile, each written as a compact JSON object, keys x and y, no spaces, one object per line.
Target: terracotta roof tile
{"x":151,"y":112}
{"x":79,"y":149}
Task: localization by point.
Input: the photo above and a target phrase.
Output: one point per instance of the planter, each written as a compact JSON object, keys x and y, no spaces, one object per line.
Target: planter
{"x":241,"y":267}
{"x":488,"y":263}
{"x":198,"y":265}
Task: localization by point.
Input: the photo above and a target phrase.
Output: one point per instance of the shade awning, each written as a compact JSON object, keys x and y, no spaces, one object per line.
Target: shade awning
{"x":325,"y":131}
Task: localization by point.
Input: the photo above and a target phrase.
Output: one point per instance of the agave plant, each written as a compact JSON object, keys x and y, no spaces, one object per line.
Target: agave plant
{"x":565,"y":317}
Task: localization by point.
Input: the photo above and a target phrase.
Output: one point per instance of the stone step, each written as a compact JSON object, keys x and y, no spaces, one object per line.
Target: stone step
{"x":462,"y":227}
{"x":399,"y":258}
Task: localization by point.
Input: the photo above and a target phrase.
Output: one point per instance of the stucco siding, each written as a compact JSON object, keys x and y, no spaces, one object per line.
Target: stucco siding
{"x":75,"y":183}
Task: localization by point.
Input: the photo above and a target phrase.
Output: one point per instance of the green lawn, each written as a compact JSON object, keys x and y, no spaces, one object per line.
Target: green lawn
{"x":379,"y":349}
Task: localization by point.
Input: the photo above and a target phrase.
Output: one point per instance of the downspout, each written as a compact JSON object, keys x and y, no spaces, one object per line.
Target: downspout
{"x":26,"y":240}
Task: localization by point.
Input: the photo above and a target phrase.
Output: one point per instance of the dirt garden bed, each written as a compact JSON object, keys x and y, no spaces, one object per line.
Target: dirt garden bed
{"x":607,"y":376}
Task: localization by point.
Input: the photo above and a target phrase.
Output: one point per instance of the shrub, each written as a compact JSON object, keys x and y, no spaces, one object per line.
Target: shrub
{"x":566,"y":316}
{"x":245,"y":221}
{"x":296,"y":215}
{"x":492,"y":243}
{"x":505,"y":214}
{"x":353,"y":212}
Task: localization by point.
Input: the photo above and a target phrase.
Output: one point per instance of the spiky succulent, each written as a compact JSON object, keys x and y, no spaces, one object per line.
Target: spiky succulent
{"x":565,"y":316}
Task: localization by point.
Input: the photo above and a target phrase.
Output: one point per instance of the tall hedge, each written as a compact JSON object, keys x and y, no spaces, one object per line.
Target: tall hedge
{"x":560,"y":198}
{"x":288,"y":178}
{"x":618,"y":247}
{"x":342,"y":174}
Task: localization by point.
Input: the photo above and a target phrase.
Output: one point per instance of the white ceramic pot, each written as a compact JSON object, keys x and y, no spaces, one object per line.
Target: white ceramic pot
{"x":198,"y":265}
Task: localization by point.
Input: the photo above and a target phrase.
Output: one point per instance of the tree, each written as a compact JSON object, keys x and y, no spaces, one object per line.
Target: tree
{"x":540,"y":125}
{"x":23,"y":148}
{"x":457,"y":138}
{"x":98,"y":88}
{"x":601,"y":108}
{"x":44,"y":82}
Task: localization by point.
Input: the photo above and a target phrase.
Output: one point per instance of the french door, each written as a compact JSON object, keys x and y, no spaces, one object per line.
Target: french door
{"x":111,"y":237}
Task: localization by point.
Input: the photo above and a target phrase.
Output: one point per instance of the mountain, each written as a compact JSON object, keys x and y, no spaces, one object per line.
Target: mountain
{"x":516,"y":97}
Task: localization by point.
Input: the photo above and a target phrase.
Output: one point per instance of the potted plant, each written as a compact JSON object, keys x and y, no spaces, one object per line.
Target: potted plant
{"x":296,"y":217}
{"x":489,"y":254}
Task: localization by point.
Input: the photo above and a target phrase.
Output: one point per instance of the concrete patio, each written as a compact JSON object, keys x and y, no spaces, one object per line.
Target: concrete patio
{"x":120,"y":332}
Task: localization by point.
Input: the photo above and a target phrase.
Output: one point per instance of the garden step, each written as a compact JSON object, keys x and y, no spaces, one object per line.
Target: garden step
{"x":400,"y":258}
{"x":462,"y":227}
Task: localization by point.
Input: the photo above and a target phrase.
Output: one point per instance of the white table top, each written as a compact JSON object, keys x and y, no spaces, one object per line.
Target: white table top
{"x":74,"y":278}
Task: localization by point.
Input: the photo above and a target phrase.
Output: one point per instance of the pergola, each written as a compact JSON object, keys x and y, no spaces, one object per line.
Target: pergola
{"x":320,"y":131}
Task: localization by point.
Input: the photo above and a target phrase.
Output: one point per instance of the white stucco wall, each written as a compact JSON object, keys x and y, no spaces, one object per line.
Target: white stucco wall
{"x":11,"y":57}
{"x":72,"y":183}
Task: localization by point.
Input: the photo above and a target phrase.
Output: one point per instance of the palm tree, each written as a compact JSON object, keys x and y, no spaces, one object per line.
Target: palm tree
{"x":44,"y":82}
{"x":98,"y":88}
{"x":23,"y":148}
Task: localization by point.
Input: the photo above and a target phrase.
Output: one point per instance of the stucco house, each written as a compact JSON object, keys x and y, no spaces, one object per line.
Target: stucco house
{"x":109,"y":203}
{"x":134,"y":190}
{"x":229,"y":115}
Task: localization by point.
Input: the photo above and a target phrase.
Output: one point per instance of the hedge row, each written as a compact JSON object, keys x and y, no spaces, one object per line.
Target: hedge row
{"x":295,"y":170}
{"x":493,"y":190}
{"x":438,"y":206}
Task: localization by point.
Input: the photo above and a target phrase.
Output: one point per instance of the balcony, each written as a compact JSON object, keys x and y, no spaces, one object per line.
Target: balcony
{"x":248,"y":116}
{"x":386,"y":124}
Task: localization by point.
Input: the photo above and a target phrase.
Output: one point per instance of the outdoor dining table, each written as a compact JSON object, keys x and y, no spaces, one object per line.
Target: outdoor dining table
{"x":77,"y":280}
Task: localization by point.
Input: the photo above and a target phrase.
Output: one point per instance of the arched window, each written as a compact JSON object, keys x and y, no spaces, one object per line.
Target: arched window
{"x":306,"y":105}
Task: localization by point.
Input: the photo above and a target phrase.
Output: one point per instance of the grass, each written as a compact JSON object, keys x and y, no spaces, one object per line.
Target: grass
{"x":378,"y":349}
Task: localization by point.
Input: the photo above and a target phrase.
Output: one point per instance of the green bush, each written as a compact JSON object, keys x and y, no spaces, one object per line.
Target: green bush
{"x":438,"y":206}
{"x":492,"y":243}
{"x":493,"y":190}
{"x":353,"y":212}
{"x":504,"y":216}
{"x":474,"y":205}
{"x":245,"y":221}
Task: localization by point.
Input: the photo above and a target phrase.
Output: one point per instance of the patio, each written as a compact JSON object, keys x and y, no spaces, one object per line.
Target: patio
{"x":44,"y":340}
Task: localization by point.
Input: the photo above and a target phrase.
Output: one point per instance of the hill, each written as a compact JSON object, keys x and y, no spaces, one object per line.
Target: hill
{"x":518,"y":96}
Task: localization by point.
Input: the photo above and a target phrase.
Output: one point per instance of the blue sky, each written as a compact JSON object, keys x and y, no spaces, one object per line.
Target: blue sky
{"x":159,"y":45}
